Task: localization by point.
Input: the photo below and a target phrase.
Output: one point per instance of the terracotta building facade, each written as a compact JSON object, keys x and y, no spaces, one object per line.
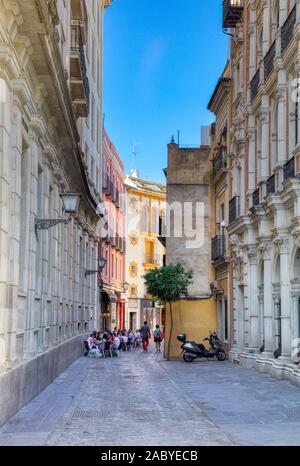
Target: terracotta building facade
{"x":113,"y":241}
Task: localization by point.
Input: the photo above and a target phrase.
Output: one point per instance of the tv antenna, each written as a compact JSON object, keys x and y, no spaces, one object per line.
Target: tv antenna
{"x":134,"y":153}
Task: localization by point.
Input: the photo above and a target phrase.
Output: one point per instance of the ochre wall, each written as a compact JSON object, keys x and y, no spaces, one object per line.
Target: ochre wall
{"x":193,"y":317}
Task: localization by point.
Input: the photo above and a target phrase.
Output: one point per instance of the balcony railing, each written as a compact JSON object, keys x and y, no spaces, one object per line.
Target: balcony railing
{"x":254,"y":85}
{"x":289,"y":169}
{"x":255,"y":198}
{"x":234,"y":209}
{"x":287,"y":30}
{"x":79,"y":82}
{"x":220,"y":161}
{"x":271,"y":186}
{"x":152,"y":259}
{"x":218,"y":247}
{"x":269,"y":60}
{"x":232,"y":13}
{"x":108,"y":187}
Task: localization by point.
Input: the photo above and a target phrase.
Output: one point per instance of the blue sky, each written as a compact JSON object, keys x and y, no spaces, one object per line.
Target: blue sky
{"x":162,"y":59}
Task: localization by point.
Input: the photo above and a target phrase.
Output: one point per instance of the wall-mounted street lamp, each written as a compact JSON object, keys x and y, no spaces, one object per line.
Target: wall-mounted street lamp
{"x":101,"y":265}
{"x":70,"y":206}
{"x":126,"y":286}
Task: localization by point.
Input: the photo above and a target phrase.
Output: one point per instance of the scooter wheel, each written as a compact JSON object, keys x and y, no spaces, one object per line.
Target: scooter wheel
{"x":188,"y":357}
{"x":221,"y":356}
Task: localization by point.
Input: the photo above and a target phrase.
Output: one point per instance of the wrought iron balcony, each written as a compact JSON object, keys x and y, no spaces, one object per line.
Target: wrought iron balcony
{"x":289,"y":169}
{"x":254,"y":85}
{"x":152,"y":259}
{"x":287,"y":30}
{"x":271,"y":185}
{"x":255,"y":198}
{"x":218,"y":247}
{"x":220,"y":161}
{"x":115,"y":196}
{"x":232,"y":13}
{"x":269,"y":60}
{"x":234,"y":209}
{"x":79,"y":83}
{"x":108,"y":186}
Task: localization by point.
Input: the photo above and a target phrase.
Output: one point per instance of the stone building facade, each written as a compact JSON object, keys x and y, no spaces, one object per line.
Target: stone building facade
{"x":189,"y":226}
{"x":219,"y":105}
{"x":264,"y":213}
{"x":50,"y":106}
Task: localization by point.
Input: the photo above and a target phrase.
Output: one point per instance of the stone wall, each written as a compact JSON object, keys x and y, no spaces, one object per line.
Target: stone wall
{"x":21,"y":384}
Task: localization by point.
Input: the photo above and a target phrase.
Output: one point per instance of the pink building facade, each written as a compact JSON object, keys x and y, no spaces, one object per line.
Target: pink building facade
{"x":112,"y":246}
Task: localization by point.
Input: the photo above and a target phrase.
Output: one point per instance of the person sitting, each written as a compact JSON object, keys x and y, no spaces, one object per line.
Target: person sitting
{"x":90,"y":341}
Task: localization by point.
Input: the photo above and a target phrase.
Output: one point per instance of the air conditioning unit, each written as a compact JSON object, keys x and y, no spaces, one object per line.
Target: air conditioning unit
{"x":215,"y":286}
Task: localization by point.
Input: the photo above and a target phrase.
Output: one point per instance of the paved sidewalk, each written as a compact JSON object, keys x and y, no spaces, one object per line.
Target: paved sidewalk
{"x":140,"y":399}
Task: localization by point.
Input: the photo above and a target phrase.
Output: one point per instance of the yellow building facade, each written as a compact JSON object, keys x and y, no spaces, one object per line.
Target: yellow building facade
{"x":145,"y":210}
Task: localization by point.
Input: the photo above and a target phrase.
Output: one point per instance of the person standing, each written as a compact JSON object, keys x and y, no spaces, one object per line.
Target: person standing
{"x":158,"y":338}
{"x":145,"y":335}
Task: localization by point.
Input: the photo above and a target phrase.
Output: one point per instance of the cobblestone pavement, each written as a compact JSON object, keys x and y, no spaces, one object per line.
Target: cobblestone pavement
{"x":140,"y":399}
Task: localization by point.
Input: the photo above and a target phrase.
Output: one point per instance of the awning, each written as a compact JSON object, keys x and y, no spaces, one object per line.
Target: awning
{"x":110,"y":296}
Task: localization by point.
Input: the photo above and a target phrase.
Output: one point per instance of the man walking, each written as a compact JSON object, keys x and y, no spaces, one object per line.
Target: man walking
{"x":145,"y":335}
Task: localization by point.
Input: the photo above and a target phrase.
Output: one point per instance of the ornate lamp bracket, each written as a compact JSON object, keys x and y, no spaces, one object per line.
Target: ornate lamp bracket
{"x":46,"y":223}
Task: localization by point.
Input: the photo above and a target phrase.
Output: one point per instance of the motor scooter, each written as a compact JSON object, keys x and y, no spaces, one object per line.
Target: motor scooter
{"x":192,"y":350}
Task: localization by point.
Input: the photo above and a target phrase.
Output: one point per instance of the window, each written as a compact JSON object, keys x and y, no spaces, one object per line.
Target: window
{"x":92,"y":169}
{"x":145,"y":219}
{"x":94,"y":58}
{"x":23,"y":217}
{"x":98,"y":131}
{"x":134,"y":238}
{"x":226,"y":320}
{"x":133,"y":292}
{"x":154,"y":220}
{"x":133,"y":269}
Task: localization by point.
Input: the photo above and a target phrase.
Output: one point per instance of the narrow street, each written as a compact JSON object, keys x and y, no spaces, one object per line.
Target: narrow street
{"x":140,"y":399}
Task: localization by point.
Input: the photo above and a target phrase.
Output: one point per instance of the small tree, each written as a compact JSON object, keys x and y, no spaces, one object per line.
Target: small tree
{"x":166,"y":285}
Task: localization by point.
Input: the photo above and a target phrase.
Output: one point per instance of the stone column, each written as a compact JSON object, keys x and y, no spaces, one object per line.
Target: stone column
{"x":282,"y":98}
{"x":266,"y":28}
{"x":252,"y":41}
{"x":265,"y":139}
{"x":265,"y":248}
{"x":251,"y":165}
{"x":254,"y":340}
{"x":295,"y":324}
{"x":285,"y":298}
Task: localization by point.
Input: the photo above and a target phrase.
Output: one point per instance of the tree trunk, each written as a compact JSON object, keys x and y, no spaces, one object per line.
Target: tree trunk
{"x":171,"y":332}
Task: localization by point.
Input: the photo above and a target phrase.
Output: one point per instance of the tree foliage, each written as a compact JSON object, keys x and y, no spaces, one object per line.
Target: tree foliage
{"x":168,"y":284}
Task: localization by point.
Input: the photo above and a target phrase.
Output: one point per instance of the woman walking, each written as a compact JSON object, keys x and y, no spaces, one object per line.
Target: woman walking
{"x":158,"y":338}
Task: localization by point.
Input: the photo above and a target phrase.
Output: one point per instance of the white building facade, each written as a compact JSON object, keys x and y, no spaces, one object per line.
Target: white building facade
{"x":50,"y":143}
{"x":264,"y":224}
